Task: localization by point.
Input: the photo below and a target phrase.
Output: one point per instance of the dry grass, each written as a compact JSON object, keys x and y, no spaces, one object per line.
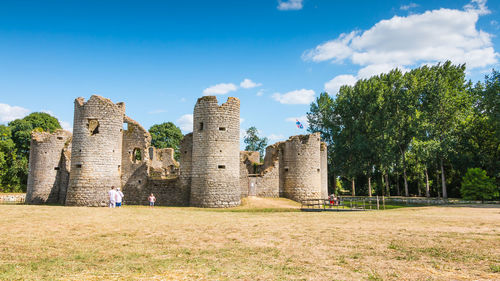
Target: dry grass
{"x":71,"y":243}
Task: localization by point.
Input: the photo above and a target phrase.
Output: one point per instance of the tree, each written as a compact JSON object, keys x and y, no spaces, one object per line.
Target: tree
{"x":254,"y":142}
{"x":476,"y":185}
{"x":445,"y":102}
{"x":21,"y":129}
{"x":8,"y":162}
{"x":166,"y":135}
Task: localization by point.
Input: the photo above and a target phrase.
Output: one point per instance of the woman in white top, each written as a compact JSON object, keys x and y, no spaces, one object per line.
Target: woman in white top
{"x":119,"y":197}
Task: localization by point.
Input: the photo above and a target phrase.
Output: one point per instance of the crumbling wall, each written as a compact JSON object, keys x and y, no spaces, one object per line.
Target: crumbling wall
{"x":267,"y":182}
{"x":216,"y":135}
{"x":185,"y":174}
{"x":249,"y":164}
{"x":96,"y":151}
{"x":146,"y":170}
{"x":301,"y":172}
{"x":324,"y":170}
{"x":162,"y":162}
{"x":134,"y":162}
{"x":65,"y":168}
{"x":48,"y":172}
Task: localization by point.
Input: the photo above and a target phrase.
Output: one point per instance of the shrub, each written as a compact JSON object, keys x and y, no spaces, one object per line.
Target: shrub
{"x":476,"y":185}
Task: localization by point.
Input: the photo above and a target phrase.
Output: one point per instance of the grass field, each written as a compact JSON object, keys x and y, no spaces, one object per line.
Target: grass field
{"x":253,"y":242}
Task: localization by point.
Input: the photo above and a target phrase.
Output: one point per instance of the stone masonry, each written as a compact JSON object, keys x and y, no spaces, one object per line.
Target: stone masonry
{"x":215,"y":178}
{"x":110,"y":149}
{"x":295,"y":169}
{"x":96,"y":154}
{"x":48,"y":167}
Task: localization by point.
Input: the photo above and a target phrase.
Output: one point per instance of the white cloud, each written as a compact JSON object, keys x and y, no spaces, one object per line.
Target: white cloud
{"x":478,"y":7}
{"x":9,"y":113}
{"x":242,"y":120}
{"x":260,"y":93}
{"x":275,"y":138}
{"x":302,"y":96}
{"x":409,"y":6}
{"x":333,"y":86}
{"x":220,"y":89}
{"x":248,"y":84}
{"x":405,"y":42}
{"x":186,"y":123}
{"x":302,"y":119}
{"x":289,"y":5}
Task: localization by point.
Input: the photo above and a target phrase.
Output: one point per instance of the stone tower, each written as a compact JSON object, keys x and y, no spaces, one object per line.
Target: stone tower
{"x":96,"y":151}
{"x":48,"y":173}
{"x":300,"y":166}
{"x":215,"y":156}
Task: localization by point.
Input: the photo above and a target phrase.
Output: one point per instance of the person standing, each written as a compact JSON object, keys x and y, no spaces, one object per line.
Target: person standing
{"x":119,"y":197}
{"x":112,"y":197}
{"x":152,"y":200}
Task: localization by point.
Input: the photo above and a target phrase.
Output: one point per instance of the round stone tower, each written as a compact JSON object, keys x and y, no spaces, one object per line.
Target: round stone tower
{"x":301,"y":167}
{"x":96,"y":151}
{"x":47,"y":176}
{"x":215,"y":157}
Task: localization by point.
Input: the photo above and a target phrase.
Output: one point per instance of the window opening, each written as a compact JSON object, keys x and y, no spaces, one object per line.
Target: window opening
{"x":137,"y":155}
{"x":151,"y":153}
{"x":93,"y":126}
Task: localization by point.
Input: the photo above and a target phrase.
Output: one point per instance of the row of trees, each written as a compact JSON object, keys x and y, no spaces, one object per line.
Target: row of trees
{"x":413,"y":133}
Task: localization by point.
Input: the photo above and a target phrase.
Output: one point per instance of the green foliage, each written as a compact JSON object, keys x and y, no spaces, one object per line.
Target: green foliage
{"x":428,"y":125}
{"x":254,"y":142}
{"x":476,"y":185}
{"x":21,"y":129}
{"x":166,"y":135}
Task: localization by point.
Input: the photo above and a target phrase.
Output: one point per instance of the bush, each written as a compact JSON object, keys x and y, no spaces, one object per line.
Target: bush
{"x":476,"y":185}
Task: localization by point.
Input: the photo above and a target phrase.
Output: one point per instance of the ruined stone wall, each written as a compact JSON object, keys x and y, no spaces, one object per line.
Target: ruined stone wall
{"x":268,"y":180}
{"x":215,"y":171}
{"x":96,"y":152}
{"x":134,"y":162}
{"x":324,"y":170}
{"x":186,"y":155}
{"x":301,"y":160}
{"x":162,"y":162}
{"x":168,"y":192}
{"x":248,"y":161}
{"x":48,"y":172}
{"x":65,"y":168}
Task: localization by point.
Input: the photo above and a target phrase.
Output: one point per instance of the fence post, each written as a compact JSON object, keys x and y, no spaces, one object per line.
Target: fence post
{"x":378,"y":206}
{"x":383,"y":201}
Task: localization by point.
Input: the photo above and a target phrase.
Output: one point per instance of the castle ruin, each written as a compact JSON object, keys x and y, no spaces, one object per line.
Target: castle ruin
{"x":108,"y":148}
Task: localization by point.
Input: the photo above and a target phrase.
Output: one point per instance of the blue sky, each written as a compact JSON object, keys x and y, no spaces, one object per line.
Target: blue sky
{"x":276,"y":56}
